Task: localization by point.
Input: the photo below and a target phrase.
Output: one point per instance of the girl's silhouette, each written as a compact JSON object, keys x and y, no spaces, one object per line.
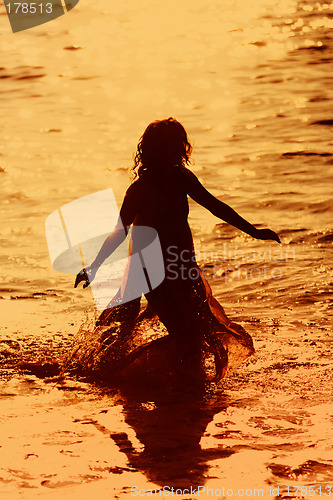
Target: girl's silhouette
{"x":157,"y":198}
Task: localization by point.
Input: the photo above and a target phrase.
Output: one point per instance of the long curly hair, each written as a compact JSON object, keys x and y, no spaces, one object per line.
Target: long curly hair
{"x":163,"y":144}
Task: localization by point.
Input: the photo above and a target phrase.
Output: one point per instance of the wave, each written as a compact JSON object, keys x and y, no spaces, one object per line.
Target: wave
{"x":22,"y":73}
{"x":310,"y":469}
{"x":306,"y":153}
{"x":309,"y":237}
{"x":328,"y":122}
{"x":284,"y":204}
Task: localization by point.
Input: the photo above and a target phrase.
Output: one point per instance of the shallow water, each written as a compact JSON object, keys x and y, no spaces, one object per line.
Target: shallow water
{"x":253,"y":87}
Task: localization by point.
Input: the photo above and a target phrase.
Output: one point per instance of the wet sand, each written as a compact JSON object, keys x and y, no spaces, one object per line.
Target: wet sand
{"x":261,"y":428}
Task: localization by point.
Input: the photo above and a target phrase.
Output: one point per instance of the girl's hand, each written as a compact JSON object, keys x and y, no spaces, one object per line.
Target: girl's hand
{"x":267,"y":234}
{"x":87,"y":275}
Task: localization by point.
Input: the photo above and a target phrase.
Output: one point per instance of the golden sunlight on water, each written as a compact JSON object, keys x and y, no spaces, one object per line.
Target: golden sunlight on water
{"x":252,"y":84}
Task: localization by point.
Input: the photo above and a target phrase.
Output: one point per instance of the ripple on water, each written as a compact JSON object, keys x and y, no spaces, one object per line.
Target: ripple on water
{"x":309,"y":470}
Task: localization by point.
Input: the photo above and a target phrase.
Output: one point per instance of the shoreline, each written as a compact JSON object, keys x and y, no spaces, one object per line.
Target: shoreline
{"x":253,"y":430}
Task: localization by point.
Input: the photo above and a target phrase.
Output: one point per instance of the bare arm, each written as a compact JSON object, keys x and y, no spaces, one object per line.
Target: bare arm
{"x":200,"y":194}
{"x":112,"y":242}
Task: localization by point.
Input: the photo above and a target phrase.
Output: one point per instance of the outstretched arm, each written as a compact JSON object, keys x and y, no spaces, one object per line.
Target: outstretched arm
{"x":112,"y":242}
{"x":200,"y":194}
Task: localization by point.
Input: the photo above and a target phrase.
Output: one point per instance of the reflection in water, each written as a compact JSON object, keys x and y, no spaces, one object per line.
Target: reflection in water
{"x":170,"y":425}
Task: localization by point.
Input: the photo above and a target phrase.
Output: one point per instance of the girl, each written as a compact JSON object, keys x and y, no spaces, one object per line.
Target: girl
{"x":183,"y":301}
